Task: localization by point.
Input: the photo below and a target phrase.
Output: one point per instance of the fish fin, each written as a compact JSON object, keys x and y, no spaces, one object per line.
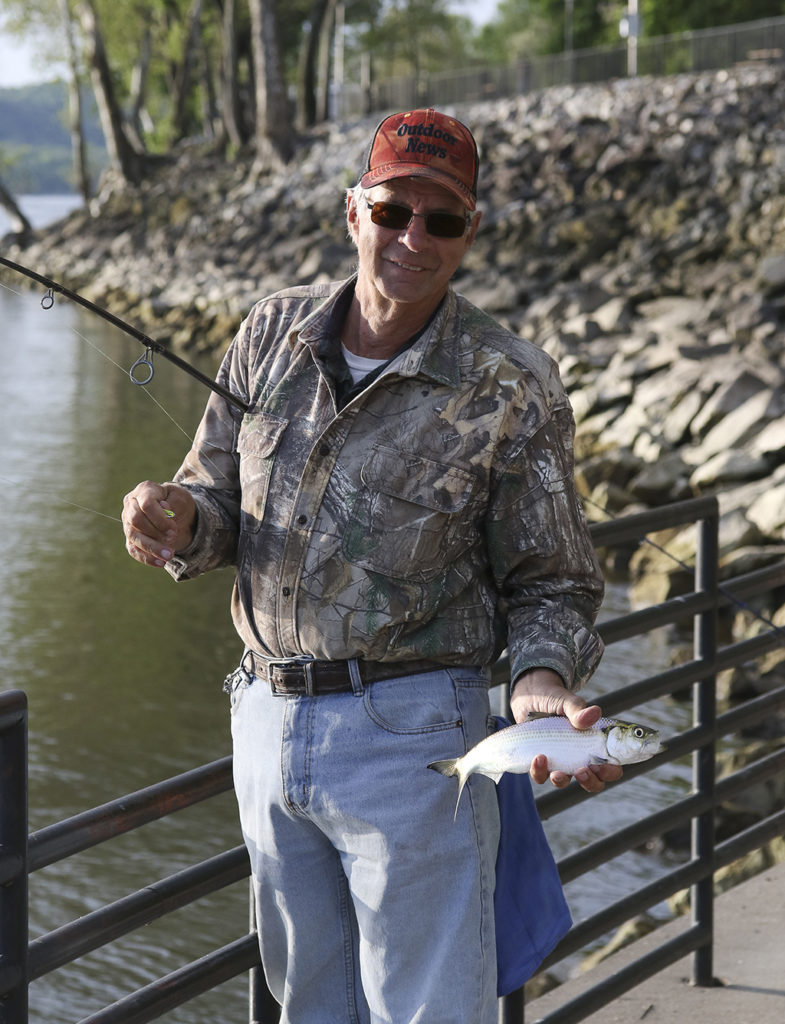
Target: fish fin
{"x":598,"y":759}
{"x":445,"y":767}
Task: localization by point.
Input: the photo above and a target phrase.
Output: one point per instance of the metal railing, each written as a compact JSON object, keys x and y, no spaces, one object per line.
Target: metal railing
{"x":20,"y":855}
{"x":701,"y":50}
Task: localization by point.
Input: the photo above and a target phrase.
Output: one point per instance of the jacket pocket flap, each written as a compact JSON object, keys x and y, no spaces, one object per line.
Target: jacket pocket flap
{"x":414,"y":478}
{"x":260,"y":434}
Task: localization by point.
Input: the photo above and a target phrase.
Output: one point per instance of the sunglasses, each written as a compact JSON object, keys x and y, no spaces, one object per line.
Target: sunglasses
{"x":395,"y":217}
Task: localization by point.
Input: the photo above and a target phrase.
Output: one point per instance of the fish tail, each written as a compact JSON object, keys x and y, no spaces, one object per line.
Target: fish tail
{"x":449,"y":768}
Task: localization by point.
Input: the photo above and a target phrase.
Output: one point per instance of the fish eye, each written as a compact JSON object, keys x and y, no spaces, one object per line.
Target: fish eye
{"x":638,"y":733}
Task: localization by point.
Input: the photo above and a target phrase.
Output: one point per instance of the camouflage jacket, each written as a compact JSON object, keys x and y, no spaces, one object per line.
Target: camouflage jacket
{"x":434,"y":516}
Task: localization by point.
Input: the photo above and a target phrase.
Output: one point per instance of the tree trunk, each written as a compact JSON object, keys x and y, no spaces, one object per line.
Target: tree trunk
{"x":125,"y":160}
{"x":309,"y":62}
{"x":20,"y":225}
{"x":75,"y":116}
{"x":138,"y":93}
{"x":274,"y":130}
{"x":325,"y":38}
{"x":184,"y":76}
{"x":230,"y":101}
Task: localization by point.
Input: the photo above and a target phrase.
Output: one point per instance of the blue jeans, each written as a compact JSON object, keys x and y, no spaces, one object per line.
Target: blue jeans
{"x":373,"y":904}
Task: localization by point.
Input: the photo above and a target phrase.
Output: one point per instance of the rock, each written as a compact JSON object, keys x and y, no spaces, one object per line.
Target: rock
{"x":634,"y":229}
{"x":733,"y":874}
{"x":767,"y":512}
{"x":628,"y":933}
{"x":728,"y":467}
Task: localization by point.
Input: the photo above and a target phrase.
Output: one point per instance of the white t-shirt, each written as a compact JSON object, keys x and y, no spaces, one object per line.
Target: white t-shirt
{"x":360,"y":366}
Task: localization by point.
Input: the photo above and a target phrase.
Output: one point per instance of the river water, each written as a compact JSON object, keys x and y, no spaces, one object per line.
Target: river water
{"x":123,"y":668}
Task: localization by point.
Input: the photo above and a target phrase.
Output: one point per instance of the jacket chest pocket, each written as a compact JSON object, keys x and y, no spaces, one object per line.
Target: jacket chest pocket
{"x":410,"y":517}
{"x":257,"y":444}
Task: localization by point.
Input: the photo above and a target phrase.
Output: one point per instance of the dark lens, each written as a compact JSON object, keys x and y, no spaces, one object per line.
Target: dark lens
{"x":389,"y":215}
{"x":395,"y":217}
{"x":445,"y":225}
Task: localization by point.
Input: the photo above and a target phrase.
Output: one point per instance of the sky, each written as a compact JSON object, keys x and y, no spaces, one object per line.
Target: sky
{"x":18,"y":56}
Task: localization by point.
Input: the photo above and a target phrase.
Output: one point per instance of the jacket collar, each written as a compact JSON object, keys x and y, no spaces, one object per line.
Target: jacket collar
{"x":435,"y":354}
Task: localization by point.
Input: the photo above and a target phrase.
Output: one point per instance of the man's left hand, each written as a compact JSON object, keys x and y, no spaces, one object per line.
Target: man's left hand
{"x":542,"y":690}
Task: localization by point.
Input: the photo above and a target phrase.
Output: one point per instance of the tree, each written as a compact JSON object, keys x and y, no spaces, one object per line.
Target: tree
{"x":20,"y":225}
{"x":124,"y":158}
{"x":314,"y":31}
{"x":76,"y":118}
{"x":273,"y":135}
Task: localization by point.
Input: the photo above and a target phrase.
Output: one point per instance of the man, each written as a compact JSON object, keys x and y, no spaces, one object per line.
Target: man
{"x":399,"y":505}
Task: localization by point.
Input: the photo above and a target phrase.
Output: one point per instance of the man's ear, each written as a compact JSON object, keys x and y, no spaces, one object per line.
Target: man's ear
{"x":352,"y":216}
{"x":473,"y":229}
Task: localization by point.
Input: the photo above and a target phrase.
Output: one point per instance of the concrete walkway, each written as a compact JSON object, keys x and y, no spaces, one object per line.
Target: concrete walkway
{"x":749,"y":961}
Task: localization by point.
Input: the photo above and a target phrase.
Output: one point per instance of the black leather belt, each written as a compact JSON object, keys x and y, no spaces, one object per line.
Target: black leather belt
{"x":307,"y":676}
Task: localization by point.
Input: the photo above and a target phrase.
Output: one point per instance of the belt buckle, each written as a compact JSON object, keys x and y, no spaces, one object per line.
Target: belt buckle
{"x":302,"y":661}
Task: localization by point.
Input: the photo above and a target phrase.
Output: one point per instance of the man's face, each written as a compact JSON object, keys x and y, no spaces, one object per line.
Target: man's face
{"x":408,"y":265}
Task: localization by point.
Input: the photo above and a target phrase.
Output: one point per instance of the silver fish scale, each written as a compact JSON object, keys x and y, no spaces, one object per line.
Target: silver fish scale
{"x":512,"y":749}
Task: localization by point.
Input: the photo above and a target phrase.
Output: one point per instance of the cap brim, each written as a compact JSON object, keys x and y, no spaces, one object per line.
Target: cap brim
{"x":388,"y":172}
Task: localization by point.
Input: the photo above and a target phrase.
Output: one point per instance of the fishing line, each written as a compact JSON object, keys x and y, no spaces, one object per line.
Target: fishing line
{"x":731,"y":598}
{"x":151,"y":346}
{"x":57,"y":497}
{"x":151,"y":396}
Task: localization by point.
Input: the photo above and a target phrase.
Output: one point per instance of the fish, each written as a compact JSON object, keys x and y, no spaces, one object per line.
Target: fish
{"x":512,"y":749}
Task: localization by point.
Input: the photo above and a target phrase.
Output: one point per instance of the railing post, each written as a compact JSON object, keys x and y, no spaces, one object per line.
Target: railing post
{"x":13,"y":858}
{"x":703,"y":759}
{"x":512,"y":1008}
{"x":262,"y":1008}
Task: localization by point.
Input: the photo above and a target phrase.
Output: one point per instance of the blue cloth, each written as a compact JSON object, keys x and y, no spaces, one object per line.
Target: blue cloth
{"x":532,"y":915}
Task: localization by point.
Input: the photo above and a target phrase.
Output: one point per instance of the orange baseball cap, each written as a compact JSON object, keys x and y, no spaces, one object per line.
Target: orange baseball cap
{"x":425,"y":144}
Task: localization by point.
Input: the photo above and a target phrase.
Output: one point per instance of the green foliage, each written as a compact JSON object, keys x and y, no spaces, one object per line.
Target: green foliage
{"x":402,"y":37}
{"x":666,"y":17}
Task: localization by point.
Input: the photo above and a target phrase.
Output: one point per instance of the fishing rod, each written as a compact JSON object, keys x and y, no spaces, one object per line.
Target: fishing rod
{"x":144,"y":364}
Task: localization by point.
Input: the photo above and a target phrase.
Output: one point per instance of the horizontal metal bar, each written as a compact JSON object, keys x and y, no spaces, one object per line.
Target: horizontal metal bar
{"x":628,"y":977}
{"x":602,"y":850}
{"x":69,"y":942}
{"x":757,"y":771}
{"x":622,"y":910}
{"x":88,"y":829}
{"x":750,"y":839}
{"x":750,"y":584}
{"x":612,"y":533}
{"x":152,"y":1001}
{"x":746,"y":650}
{"x":753,"y":710}
{"x":621,"y":981}
{"x":633,"y":624}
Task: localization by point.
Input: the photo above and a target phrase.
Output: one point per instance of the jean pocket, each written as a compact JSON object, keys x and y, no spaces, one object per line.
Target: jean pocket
{"x":422,"y":703}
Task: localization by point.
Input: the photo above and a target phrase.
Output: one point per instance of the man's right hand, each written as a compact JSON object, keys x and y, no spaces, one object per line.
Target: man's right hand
{"x":152,"y":536}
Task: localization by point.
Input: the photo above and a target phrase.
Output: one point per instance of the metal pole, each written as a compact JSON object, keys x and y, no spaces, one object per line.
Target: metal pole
{"x":13,"y":858}
{"x":262,"y":1008}
{"x":632,"y":39}
{"x":703,"y":759}
{"x":511,"y":1008}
